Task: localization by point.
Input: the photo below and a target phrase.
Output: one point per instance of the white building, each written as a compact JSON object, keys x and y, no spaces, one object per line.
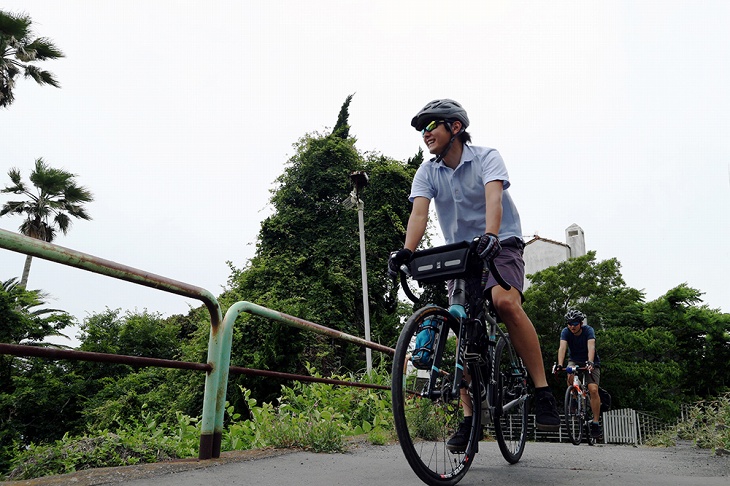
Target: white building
{"x":541,"y":253}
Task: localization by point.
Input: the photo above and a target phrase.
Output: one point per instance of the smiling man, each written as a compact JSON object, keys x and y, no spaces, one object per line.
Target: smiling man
{"x":468,"y":185}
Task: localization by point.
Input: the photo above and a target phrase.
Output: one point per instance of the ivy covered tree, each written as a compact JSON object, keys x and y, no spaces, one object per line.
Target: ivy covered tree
{"x":307,"y":261}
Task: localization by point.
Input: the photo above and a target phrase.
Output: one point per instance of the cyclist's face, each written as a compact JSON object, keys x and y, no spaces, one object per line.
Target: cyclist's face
{"x":437,"y":138}
{"x":575,"y":327}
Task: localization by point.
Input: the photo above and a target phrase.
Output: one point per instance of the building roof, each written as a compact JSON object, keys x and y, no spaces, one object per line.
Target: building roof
{"x":552,"y":242}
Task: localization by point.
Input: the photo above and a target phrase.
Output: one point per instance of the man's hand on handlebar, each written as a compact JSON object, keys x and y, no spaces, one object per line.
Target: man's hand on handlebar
{"x":488,"y":247}
{"x":397,"y":259}
{"x":558,"y":368}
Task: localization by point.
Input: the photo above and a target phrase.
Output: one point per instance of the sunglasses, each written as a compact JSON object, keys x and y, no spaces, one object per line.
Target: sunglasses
{"x":432,"y":126}
{"x":573,"y":324}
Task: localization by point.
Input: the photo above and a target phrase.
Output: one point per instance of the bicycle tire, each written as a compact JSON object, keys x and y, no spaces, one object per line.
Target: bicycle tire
{"x":425,"y":424}
{"x":574,"y":415}
{"x":510,"y":401}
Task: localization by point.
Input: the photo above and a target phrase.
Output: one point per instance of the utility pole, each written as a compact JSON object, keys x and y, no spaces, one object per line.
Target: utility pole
{"x":359,"y":181}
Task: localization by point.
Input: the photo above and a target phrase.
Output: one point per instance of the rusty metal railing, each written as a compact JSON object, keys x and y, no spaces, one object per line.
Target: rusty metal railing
{"x":219,"y":343}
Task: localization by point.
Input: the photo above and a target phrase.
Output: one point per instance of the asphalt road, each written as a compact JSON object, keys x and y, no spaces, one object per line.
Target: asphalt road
{"x":543,"y":463}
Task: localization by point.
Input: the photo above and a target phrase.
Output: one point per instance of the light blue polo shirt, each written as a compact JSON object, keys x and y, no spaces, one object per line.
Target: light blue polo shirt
{"x":458,"y":195}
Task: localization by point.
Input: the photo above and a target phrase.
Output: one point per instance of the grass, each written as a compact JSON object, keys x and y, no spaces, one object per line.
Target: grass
{"x":318,"y":417}
{"x":707,"y":425}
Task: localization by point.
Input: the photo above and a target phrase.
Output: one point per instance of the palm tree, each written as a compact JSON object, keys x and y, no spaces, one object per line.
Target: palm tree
{"x":57,"y":197}
{"x":23,"y":322}
{"x":18,"y":49}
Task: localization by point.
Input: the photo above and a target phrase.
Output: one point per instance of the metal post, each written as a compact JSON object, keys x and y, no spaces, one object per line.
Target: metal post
{"x":359,"y":181}
{"x":363,"y":269}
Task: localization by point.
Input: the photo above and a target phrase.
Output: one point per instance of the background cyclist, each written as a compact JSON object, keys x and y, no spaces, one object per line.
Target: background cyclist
{"x":468,"y":185}
{"x":580,"y":339}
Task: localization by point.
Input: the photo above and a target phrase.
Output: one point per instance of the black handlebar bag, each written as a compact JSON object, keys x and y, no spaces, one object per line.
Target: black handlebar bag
{"x":446,"y":262}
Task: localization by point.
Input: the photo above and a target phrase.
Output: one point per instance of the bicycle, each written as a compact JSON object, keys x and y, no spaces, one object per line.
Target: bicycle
{"x":428,"y":379}
{"x":578,"y":413}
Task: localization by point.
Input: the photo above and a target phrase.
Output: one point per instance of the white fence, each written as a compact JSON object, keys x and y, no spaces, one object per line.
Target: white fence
{"x":627,"y":426}
{"x":623,"y":426}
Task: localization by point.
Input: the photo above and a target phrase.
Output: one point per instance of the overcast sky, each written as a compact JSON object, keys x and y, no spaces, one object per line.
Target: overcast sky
{"x":179,"y":115}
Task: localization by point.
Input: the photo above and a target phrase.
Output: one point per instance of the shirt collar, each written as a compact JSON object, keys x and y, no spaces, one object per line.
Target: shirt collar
{"x":467,"y":155}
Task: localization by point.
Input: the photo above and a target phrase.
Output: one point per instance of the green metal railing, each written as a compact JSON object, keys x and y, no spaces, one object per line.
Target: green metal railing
{"x":219,"y":342}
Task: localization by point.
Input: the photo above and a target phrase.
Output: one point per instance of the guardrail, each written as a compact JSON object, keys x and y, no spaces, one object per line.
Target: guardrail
{"x":219,"y":343}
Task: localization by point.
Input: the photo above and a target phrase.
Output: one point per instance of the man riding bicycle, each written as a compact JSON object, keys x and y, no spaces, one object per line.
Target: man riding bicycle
{"x":580,"y":339}
{"x":468,"y":185}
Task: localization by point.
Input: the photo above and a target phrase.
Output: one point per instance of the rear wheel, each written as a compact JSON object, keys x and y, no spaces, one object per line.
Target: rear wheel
{"x":510,"y":404}
{"x":426,"y":413}
{"x":574,"y":415}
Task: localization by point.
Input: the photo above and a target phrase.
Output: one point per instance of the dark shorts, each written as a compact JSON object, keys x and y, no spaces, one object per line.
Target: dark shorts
{"x":510,"y":265}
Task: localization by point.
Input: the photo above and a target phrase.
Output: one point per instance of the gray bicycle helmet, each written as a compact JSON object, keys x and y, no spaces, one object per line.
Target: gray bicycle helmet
{"x":445,"y":109}
{"x":574,"y":315}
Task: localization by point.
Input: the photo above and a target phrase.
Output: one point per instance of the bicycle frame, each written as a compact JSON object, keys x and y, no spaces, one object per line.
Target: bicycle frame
{"x":466,"y":337}
{"x":579,"y":384}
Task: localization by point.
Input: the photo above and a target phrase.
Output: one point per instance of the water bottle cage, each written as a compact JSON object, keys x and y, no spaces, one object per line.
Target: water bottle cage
{"x":422,"y":356}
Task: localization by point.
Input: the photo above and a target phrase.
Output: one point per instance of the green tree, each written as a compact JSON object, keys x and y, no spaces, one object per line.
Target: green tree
{"x":19,"y":49}
{"x":56,"y":199}
{"x":32,"y":389}
{"x":702,"y":336}
{"x":23,"y":322}
{"x":307,"y":259}
{"x":118,"y":394}
{"x":595,"y":287}
{"x":654,"y":356}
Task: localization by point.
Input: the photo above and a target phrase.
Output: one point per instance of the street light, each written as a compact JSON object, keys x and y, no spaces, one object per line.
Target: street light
{"x":359,"y":181}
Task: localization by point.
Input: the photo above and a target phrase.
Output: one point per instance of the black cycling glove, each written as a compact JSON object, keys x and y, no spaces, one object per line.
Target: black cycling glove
{"x":488,"y":247}
{"x":398,"y":258}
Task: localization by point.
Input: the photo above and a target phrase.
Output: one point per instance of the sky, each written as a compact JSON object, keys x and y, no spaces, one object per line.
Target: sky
{"x":179,"y":116}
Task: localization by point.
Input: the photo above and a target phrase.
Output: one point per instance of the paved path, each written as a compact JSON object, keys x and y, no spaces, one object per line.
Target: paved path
{"x":543,"y":463}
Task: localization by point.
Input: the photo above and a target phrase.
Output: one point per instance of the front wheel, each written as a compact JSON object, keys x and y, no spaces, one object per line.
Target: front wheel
{"x":510,"y":403}
{"x":426,"y":412}
{"x":574,"y":408}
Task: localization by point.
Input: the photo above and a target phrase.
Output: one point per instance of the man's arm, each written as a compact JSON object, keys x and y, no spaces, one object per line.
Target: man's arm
{"x":417,"y":222}
{"x":561,"y":351}
{"x":591,"y":350}
{"x":493,"y":196}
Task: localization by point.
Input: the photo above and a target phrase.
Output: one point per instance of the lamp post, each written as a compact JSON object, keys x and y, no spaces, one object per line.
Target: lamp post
{"x":359,"y":181}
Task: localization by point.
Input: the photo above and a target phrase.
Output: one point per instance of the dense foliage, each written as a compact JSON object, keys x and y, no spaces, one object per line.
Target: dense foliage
{"x":318,"y":417}
{"x":651,"y":353}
